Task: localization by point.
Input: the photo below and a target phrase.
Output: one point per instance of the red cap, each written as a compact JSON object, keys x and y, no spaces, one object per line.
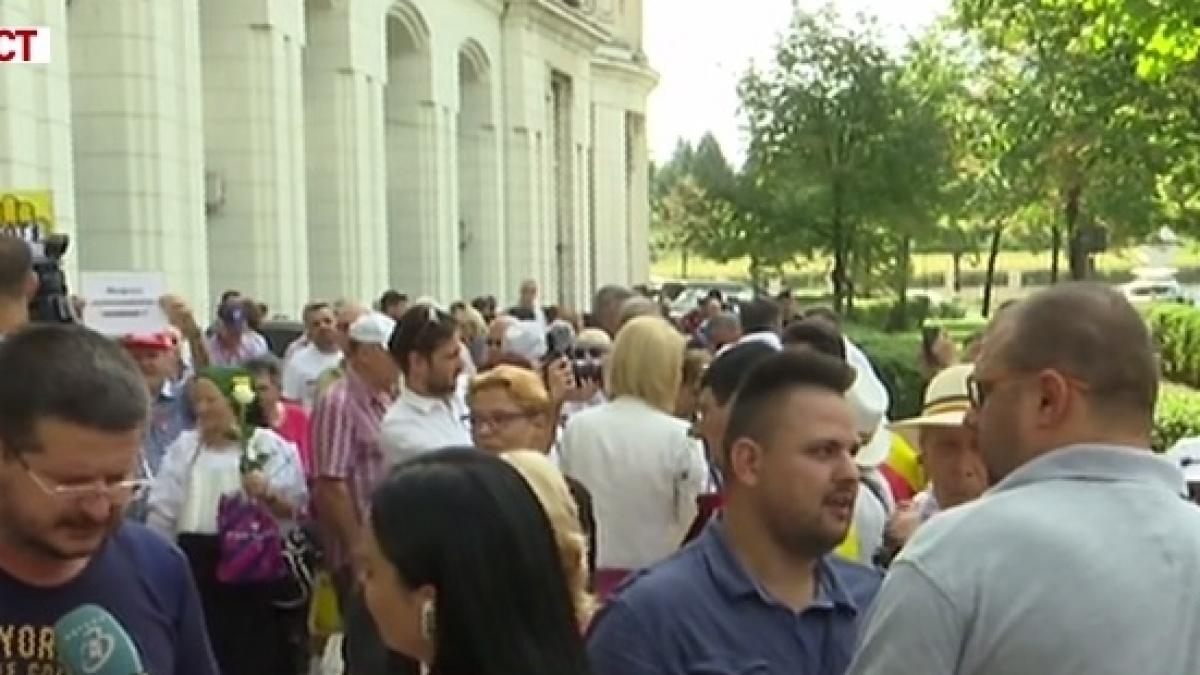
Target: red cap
{"x":163,"y":341}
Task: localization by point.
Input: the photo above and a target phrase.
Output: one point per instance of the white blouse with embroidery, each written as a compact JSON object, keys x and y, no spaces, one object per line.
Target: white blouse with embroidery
{"x":193,"y":477}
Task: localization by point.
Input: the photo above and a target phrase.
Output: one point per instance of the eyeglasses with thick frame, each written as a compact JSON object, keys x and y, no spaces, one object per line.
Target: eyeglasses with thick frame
{"x":117,"y":491}
{"x":978,"y":390}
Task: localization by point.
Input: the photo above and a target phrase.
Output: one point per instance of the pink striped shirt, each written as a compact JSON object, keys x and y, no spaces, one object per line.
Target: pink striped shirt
{"x":345,"y":438}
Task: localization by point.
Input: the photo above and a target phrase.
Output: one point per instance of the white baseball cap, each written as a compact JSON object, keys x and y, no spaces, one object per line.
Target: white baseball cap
{"x":372,"y":329}
{"x":870,"y":417}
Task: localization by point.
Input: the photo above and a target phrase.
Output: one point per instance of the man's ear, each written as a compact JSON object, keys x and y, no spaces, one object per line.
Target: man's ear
{"x":745,"y":461}
{"x":31,"y":285}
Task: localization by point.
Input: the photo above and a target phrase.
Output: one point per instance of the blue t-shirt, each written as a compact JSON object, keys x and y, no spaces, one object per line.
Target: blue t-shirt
{"x":142,"y":580}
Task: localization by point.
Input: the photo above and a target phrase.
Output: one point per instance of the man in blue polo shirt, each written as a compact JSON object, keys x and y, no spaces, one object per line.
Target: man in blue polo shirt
{"x":758,"y":591}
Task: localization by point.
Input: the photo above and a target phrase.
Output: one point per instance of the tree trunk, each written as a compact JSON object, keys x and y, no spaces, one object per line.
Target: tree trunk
{"x":837,"y":276}
{"x":956,"y":270}
{"x":1077,"y":255}
{"x":989,"y":277}
{"x":1055,"y":247}
{"x":898,"y":320}
{"x":683,"y":263}
{"x":848,"y":280}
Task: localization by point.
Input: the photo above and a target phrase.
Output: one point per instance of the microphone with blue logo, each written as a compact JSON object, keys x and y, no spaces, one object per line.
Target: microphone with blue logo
{"x":89,"y":641}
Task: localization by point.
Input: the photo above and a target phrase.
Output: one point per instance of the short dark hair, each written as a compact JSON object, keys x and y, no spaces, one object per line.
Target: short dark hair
{"x":16,"y":263}
{"x":760,"y":315}
{"x":228,"y":295}
{"x":756,"y":406}
{"x":824,"y":313}
{"x":1090,"y":332}
{"x":422,"y":330}
{"x":726,"y":373}
{"x":468,"y":524}
{"x":816,"y":334}
{"x":265,"y":365}
{"x":312,"y":307}
{"x":70,"y":373}
{"x":608,"y":300}
{"x":521,"y":313}
{"x":391,"y":299}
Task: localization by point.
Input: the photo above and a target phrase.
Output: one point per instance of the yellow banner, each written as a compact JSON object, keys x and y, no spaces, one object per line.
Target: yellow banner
{"x":29,"y":214}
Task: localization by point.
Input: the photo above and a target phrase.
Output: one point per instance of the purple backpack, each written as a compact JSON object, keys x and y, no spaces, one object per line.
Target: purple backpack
{"x":251,"y":544}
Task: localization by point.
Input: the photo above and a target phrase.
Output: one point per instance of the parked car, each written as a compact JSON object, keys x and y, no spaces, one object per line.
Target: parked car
{"x":695,"y":291}
{"x":1144,"y":291}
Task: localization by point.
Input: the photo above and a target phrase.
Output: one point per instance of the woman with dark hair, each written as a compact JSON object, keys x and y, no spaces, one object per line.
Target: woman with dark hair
{"x":463,"y":573}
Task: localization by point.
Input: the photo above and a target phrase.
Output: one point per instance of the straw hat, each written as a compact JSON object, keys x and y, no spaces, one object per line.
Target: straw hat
{"x":947,"y":400}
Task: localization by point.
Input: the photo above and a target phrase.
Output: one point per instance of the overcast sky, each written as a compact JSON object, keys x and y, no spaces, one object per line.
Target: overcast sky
{"x":702,"y":47}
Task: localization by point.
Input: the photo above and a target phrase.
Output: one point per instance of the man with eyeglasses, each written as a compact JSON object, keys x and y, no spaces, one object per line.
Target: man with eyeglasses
{"x":1083,"y":557}
{"x":70,"y":439}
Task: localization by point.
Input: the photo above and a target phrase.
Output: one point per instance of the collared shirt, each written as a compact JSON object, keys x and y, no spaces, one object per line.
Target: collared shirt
{"x":644,"y":472}
{"x":702,"y":612}
{"x":417,"y":424}
{"x":302,"y":374}
{"x":251,"y":346}
{"x":1084,"y":561}
{"x":170,"y":415}
{"x":346,"y":441}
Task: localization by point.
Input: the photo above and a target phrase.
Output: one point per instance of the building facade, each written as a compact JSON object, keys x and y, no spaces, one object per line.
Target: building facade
{"x":298,"y":149}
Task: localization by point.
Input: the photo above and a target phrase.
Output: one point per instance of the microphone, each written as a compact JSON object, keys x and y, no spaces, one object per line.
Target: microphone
{"x":89,"y":641}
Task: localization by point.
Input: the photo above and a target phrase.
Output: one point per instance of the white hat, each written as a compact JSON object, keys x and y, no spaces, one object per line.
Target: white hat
{"x":947,"y":400}
{"x":1186,"y":455}
{"x":372,"y":329}
{"x":870,"y":410}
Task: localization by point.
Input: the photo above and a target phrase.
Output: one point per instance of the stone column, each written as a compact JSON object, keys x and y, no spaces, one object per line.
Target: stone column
{"x":639,"y":199}
{"x":610,"y":245}
{"x":254,"y":141}
{"x":35,"y":119}
{"x":346,"y":177}
{"x":138,"y":140}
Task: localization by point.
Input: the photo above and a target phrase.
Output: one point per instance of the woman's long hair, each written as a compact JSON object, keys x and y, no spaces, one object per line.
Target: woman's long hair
{"x":468,"y":524}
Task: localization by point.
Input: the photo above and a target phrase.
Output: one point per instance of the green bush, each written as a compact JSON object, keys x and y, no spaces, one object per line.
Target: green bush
{"x":1176,"y":330}
{"x":1176,"y":416}
{"x":894,"y":356}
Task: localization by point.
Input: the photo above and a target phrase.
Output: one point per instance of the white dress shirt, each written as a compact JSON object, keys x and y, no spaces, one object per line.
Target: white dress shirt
{"x":303,"y":371}
{"x":644,"y":472}
{"x":417,"y":424}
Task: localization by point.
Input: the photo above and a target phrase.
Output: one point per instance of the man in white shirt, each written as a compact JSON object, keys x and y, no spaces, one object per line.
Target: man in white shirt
{"x":429,"y":415}
{"x":304,"y":368}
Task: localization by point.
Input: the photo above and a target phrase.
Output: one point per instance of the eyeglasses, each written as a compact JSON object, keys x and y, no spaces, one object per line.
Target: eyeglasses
{"x":496,"y":421}
{"x":978,"y":390}
{"x":116,"y":491}
{"x":581,"y":353}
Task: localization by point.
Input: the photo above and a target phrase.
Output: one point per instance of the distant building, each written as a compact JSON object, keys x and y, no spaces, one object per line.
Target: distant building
{"x":327,"y":148}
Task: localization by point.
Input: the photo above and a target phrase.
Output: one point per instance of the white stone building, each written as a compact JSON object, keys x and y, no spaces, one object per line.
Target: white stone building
{"x":299,"y":149}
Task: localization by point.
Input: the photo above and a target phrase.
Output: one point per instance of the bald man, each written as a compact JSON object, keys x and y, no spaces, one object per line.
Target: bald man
{"x":1083,"y":559}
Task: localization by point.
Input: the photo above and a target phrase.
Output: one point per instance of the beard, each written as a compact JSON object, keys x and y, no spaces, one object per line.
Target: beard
{"x":808,"y":537}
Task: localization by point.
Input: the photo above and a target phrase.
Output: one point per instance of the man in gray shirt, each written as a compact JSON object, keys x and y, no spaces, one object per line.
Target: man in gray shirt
{"x":1083,"y":558}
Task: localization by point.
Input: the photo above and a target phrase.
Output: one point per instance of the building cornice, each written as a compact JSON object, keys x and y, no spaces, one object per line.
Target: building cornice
{"x":558,"y":17}
{"x":621,"y":61}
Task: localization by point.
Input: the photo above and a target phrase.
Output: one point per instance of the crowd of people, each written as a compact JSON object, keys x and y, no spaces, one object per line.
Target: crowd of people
{"x":535,"y":491}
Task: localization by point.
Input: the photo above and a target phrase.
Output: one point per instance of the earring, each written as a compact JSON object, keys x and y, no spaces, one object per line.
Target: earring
{"x":429,"y":620}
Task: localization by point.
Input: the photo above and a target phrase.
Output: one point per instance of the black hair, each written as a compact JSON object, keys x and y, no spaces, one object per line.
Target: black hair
{"x":16,"y":263}
{"x":521,"y":313}
{"x":227,"y":295}
{"x":422,"y":330}
{"x":69,"y":373}
{"x":265,"y":365}
{"x":760,"y":315}
{"x":823,"y":313}
{"x":391,"y":299}
{"x":727,"y":372}
{"x":468,"y":524}
{"x":816,"y":334}
{"x":754,"y":409}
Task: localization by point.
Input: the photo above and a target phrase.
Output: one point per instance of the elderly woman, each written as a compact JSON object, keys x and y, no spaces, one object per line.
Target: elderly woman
{"x":643,"y":469}
{"x":232,"y":454}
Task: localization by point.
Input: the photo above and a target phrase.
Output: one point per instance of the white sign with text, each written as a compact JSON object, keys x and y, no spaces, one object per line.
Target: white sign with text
{"x":123,"y":303}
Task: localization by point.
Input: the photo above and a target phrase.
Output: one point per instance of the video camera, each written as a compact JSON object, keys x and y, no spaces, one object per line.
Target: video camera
{"x":52,"y":302}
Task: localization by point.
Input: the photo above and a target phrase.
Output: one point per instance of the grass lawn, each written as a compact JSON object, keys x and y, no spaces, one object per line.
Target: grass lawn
{"x":669,"y":267}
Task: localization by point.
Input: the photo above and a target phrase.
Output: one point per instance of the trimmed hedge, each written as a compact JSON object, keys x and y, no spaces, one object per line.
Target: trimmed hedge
{"x":894,"y":356}
{"x":1176,"y":416}
{"x":1176,"y":330}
